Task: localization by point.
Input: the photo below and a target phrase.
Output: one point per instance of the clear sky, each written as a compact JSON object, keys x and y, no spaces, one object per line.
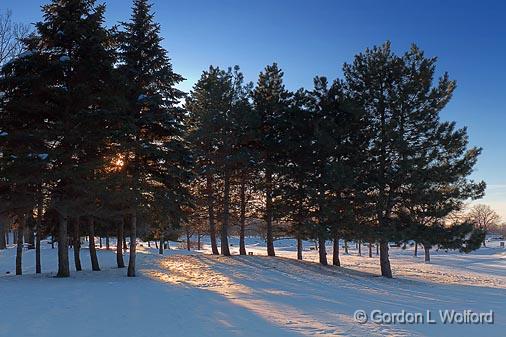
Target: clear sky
{"x":309,"y":38}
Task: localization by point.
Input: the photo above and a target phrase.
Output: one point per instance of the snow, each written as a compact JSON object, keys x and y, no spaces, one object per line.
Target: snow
{"x":196,"y":294}
{"x":3,"y":134}
{"x":141,"y":97}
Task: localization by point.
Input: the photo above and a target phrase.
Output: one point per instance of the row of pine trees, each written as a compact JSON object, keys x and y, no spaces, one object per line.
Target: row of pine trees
{"x":95,"y":135}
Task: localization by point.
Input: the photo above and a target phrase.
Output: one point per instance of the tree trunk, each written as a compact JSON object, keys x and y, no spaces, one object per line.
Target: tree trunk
{"x":377,"y":250}
{"x":133,"y":245}
{"x":268,"y":212}
{"x":198,"y":241}
{"x":63,"y":250}
{"x":3,"y":244}
{"x":242,"y":217}
{"x":299,"y":248}
{"x":38,"y":233}
{"x":125,"y":244}
{"x":162,"y":239}
{"x":416,"y":249}
{"x":346,"y":247}
{"x":225,"y":250}
{"x":7,"y":231}
{"x":359,"y":248}
{"x":30,"y":237}
{"x":322,"y":250}
{"x":426,"y":249}
{"x":100,"y":241}
{"x":156,"y":244}
{"x":77,"y":244}
{"x":19,"y":248}
{"x":107,"y":244}
{"x":335,"y":251}
{"x":370,"y":249}
{"x":210,"y":209}
{"x":188,"y":236}
{"x":93,"y":251}
{"x":119,"y":245}
{"x":386,"y":270}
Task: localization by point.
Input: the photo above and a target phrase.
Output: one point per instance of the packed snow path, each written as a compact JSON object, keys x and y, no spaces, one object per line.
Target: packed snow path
{"x":198,"y":295}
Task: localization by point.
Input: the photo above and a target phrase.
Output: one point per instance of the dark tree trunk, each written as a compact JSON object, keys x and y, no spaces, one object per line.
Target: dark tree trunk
{"x":268,"y":212}
{"x":299,"y":248}
{"x":426,"y":249}
{"x":377,"y":250}
{"x":416,"y":249}
{"x":370,"y":249}
{"x":156,"y":244}
{"x":225,"y":250}
{"x":335,"y":251}
{"x":38,"y":233}
{"x":14,"y":236}
{"x":322,"y":252}
{"x":198,"y":240}
{"x":63,"y":250}
{"x":7,"y":231}
{"x":100,"y":241}
{"x":188,"y":242}
{"x":242,"y":217}
{"x":359,"y":248}
{"x":107,"y":244}
{"x":133,"y":245}
{"x":77,"y":244}
{"x":3,"y":244}
{"x":93,"y":251}
{"x":346,"y":247}
{"x":386,"y":270}
{"x":30,"y":237}
{"x":125,"y":244}
{"x":119,"y":245}
{"x":162,"y":239}
{"x":210,"y":209}
{"x":19,"y":248}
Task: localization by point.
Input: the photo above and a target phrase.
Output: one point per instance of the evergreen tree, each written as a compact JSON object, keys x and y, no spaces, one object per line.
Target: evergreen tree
{"x":270,"y":101}
{"x":403,"y":108}
{"x":155,"y":154}
{"x":210,"y":105}
{"x":23,"y":152}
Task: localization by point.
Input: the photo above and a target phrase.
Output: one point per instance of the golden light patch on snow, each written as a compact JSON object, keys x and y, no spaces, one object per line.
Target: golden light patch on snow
{"x":208,"y":272}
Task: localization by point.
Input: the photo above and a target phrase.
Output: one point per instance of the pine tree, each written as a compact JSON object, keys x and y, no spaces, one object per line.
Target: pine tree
{"x":402,"y":107}
{"x":294,"y":174}
{"x":270,"y":101}
{"x":152,"y":141}
{"x":78,"y":63}
{"x":24,"y":153}
{"x":244,"y":125}
{"x":210,"y":105}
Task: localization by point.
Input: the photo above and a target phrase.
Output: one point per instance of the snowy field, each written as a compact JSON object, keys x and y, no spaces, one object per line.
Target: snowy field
{"x":194,"y":294}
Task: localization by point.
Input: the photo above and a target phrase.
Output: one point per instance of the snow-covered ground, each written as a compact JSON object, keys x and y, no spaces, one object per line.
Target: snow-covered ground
{"x":196,"y":294}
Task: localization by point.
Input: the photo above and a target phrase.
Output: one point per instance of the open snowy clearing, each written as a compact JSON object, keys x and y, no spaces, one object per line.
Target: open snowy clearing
{"x":196,"y":294}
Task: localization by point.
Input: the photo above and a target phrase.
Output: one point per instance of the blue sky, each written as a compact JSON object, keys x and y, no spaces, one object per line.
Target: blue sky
{"x":309,"y":38}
